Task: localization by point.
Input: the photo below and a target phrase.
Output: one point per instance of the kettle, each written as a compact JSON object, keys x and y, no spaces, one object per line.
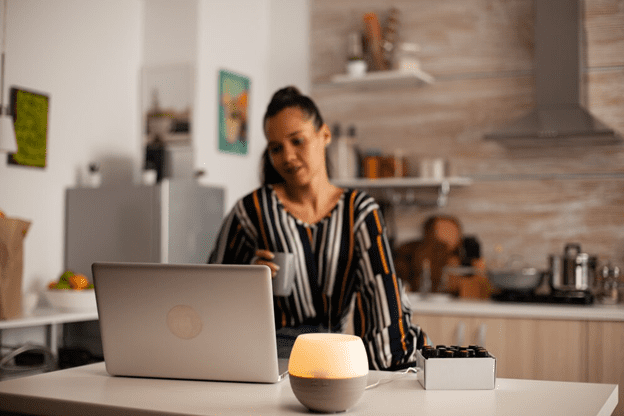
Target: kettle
{"x":575,"y":271}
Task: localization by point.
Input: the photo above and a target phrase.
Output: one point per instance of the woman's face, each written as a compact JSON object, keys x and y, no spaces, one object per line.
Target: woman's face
{"x":295,"y":147}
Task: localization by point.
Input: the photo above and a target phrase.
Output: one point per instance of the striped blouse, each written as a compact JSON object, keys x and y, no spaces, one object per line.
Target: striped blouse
{"x":342,"y":261}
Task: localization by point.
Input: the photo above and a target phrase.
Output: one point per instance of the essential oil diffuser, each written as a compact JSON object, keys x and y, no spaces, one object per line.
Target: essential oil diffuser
{"x":328,"y":372}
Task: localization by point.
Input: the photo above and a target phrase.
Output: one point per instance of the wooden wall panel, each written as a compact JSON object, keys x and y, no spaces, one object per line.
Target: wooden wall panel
{"x":604,"y":28}
{"x":456,"y":36}
{"x":531,"y":200}
{"x":533,"y":218}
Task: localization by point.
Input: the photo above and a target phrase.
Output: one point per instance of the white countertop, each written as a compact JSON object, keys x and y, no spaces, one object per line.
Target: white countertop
{"x":48,"y":316}
{"x":91,"y":390}
{"x":439,"y":304}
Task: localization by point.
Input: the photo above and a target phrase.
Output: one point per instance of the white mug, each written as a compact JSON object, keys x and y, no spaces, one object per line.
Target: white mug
{"x":284,"y":278}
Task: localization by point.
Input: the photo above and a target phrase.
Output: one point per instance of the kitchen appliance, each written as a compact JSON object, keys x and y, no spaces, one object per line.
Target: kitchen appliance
{"x":575,"y":272}
{"x":522,"y":280}
{"x":569,"y":279}
{"x":559,"y":115}
{"x":174,"y":221}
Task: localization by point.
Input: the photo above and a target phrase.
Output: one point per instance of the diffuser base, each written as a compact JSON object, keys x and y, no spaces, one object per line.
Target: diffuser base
{"x":328,"y":395}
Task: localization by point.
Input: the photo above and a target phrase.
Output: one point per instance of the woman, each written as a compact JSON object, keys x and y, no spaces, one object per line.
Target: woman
{"x":338,"y":237}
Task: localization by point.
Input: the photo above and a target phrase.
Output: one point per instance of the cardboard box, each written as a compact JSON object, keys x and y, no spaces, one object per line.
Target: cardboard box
{"x":475,"y":373}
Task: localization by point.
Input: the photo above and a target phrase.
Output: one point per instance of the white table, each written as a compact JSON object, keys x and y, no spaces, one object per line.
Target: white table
{"x":91,"y":390}
{"x":52,"y":319}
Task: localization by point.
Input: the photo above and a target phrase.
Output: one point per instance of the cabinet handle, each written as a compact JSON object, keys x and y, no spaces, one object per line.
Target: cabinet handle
{"x":460,"y":333}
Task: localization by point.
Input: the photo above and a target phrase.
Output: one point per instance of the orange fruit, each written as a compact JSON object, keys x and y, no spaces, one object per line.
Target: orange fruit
{"x":78,"y":281}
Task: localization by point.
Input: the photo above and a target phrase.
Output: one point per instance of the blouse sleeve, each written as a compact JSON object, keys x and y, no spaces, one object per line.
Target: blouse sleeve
{"x":382,"y":314}
{"x":233,"y":245}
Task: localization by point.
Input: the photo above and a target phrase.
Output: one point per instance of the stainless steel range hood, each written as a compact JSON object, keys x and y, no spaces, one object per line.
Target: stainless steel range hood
{"x":559,"y":117}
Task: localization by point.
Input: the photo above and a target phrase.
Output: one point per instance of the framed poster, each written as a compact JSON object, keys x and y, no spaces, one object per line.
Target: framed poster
{"x":30,"y":118}
{"x":233,"y":112}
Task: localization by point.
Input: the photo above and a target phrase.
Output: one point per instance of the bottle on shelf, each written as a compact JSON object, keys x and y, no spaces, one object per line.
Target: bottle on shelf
{"x":342,"y":155}
{"x":353,"y":154}
{"x":425,"y":278}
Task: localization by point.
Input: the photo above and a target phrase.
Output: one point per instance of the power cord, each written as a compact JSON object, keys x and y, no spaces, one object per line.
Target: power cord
{"x":393,"y":377}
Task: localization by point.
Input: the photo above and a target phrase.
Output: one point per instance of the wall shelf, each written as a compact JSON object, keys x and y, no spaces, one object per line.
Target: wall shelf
{"x":398,"y":190}
{"x":379,"y":78}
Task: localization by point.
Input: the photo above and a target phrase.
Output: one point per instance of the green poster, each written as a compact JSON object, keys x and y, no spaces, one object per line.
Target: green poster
{"x":30,"y":115}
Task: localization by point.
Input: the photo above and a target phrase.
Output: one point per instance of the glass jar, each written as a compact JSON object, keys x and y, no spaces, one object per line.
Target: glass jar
{"x":406,"y":57}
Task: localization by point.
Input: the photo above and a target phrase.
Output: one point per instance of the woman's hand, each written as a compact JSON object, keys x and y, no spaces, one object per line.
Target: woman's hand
{"x":265,"y":257}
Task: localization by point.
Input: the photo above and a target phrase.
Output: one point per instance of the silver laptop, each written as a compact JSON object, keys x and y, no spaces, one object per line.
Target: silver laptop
{"x":188,"y":321}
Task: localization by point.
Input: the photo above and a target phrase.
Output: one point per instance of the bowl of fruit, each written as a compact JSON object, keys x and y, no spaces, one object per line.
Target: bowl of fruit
{"x":72,"y":292}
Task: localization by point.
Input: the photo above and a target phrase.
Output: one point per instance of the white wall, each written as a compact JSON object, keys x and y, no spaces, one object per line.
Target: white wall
{"x":289,"y":57}
{"x":170,"y":32}
{"x":87,"y":55}
{"x":266,"y":40}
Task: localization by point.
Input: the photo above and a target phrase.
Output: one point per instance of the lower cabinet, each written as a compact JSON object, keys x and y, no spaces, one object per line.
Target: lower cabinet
{"x":539,"y":349}
{"x":524,"y":348}
{"x":606,"y":356}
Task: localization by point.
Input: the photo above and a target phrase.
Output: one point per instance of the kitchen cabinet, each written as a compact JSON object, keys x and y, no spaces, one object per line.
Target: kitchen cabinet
{"x":534,"y":341}
{"x":524,"y":348}
{"x":606,"y":357}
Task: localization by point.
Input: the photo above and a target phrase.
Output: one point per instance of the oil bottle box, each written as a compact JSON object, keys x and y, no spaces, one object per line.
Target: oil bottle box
{"x":456,"y":368}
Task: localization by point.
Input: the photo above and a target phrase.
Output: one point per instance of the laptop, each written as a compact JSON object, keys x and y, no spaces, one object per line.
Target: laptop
{"x":188,"y":321}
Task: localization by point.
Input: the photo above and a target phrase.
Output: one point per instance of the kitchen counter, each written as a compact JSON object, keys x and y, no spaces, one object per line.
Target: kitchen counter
{"x":440,"y":304}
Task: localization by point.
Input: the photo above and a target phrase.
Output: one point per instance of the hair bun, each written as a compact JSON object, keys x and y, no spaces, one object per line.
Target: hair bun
{"x":286,"y":94}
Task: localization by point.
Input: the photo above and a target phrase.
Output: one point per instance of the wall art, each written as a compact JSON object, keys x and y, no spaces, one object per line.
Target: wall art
{"x":233,"y":112}
{"x":30,"y":118}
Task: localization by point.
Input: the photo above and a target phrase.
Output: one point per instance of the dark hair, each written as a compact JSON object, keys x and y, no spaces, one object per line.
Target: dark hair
{"x":287,"y":97}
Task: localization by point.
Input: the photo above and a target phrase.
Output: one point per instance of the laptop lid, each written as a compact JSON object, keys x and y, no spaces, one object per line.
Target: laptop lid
{"x":187,"y":321}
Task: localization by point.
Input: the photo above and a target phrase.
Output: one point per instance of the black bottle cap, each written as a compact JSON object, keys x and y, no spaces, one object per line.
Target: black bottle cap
{"x":440,"y":346}
{"x":482,"y":353}
{"x":448,"y":354}
{"x":430,"y":353}
{"x":463,"y":353}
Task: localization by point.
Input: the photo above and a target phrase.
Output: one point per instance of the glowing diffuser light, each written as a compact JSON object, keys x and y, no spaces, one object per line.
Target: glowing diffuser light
{"x":328,"y":372}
